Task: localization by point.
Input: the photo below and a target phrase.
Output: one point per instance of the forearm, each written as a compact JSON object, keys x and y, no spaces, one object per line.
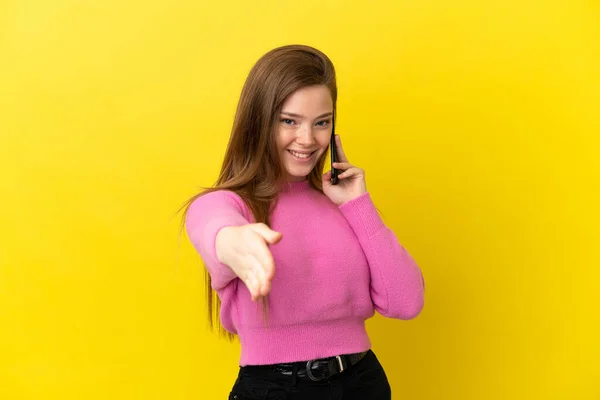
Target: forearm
{"x":208,"y":218}
{"x":397,"y":284}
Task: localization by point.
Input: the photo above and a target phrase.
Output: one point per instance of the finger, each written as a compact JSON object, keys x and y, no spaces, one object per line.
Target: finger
{"x":340,"y":150}
{"x":256,"y":273}
{"x":267,"y":263}
{"x":351,"y":172}
{"x":255,"y":276}
{"x":342,"y":165}
{"x":252,"y":286}
{"x":327,"y":183}
{"x":267,"y":233}
{"x":263,"y":265}
{"x":264,"y":273}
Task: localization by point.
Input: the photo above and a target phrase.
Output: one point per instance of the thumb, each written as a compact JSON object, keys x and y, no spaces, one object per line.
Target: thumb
{"x":267,"y":233}
{"x":327,"y":178}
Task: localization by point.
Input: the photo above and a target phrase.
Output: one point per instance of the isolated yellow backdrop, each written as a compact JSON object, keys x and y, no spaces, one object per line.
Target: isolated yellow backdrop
{"x":477,"y":123}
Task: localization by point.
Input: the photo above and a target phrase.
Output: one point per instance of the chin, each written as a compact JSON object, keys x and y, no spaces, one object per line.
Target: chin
{"x":298,"y":175}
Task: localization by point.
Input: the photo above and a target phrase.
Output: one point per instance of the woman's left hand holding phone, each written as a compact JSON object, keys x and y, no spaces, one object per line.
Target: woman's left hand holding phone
{"x":351,"y":182}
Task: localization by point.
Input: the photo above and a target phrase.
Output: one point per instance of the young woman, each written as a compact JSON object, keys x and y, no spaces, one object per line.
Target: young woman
{"x":298,"y":263}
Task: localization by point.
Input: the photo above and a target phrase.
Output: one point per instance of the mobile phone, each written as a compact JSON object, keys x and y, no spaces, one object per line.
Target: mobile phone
{"x":333,"y":155}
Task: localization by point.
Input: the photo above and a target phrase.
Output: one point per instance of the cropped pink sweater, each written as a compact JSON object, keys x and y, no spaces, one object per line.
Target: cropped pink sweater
{"x":334,"y":267}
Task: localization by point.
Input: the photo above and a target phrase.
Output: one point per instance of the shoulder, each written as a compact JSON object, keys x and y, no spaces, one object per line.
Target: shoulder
{"x":217,"y":201}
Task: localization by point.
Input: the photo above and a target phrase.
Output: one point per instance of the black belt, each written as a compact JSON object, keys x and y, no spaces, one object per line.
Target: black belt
{"x":315,"y":370}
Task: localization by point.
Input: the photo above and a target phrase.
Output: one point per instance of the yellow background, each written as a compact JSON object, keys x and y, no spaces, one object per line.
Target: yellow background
{"x":476,"y":121}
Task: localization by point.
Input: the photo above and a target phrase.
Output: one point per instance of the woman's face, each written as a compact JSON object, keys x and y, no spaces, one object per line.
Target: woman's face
{"x":304,"y":130}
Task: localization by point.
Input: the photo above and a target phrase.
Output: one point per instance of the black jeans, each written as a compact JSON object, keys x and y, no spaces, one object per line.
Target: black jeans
{"x":366,"y":380}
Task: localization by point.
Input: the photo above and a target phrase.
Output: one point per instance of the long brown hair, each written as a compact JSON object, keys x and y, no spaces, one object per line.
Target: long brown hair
{"x":252,"y":167}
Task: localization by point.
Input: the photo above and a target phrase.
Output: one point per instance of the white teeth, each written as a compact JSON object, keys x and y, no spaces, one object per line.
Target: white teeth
{"x":299,"y":155}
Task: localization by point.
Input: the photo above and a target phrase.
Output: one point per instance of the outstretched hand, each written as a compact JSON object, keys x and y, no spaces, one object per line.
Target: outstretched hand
{"x":245,"y":249}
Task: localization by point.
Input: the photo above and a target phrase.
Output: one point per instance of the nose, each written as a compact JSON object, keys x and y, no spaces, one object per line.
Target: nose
{"x":305,"y":136}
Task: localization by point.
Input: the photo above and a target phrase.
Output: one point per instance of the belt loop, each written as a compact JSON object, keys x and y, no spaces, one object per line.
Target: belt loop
{"x":294,"y":374}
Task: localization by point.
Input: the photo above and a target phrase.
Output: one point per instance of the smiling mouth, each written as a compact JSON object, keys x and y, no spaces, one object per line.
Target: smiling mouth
{"x":302,"y":156}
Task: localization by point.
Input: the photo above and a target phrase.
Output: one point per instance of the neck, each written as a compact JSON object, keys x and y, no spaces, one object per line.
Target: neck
{"x":296,"y":186}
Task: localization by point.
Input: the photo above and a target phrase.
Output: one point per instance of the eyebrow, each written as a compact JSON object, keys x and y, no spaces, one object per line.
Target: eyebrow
{"x":301,"y":116}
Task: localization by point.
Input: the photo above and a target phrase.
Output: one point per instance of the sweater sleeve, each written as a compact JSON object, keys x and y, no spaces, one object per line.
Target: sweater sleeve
{"x":207,"y":215}
{"x":397,"y":284}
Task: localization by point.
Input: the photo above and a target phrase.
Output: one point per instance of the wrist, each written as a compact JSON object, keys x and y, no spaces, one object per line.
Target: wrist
{"x":221,"y":243}
{"x":352,"y":198}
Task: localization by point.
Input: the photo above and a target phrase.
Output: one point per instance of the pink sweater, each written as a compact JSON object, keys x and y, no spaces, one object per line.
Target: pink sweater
{"x":334,"y":267}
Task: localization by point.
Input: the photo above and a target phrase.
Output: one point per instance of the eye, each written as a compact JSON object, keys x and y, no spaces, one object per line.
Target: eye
{"x":287,"y":121}
{"x":323,"y":123}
